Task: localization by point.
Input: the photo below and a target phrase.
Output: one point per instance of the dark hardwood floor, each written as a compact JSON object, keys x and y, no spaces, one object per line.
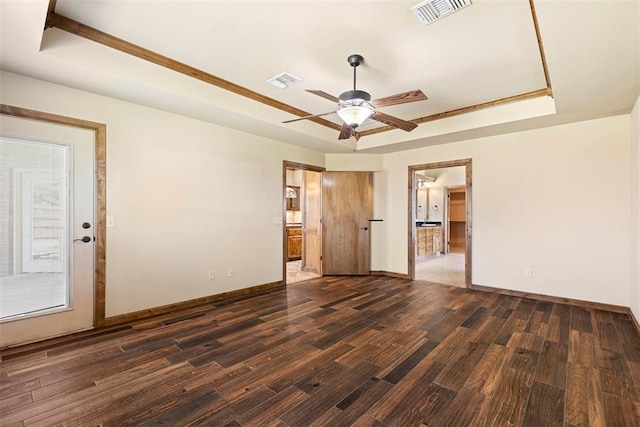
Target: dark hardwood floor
{"x":334,"y":351}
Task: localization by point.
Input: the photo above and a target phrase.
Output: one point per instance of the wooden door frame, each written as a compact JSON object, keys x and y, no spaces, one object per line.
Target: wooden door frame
{"x":290,"y":165}
{"x":411,"y":229}
{"x":100,"y":199}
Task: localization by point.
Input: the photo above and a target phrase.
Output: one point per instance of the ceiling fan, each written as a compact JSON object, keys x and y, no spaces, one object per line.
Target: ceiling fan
{"x":355,"y":106}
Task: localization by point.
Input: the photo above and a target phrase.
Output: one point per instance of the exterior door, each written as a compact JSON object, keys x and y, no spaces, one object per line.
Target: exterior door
{"x":346,"y":209}
{"x":46,"y":283}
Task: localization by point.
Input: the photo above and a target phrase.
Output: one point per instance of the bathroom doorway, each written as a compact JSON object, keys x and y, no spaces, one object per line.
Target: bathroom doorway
{"x":302,"y":225}
{"x":439,"y":223}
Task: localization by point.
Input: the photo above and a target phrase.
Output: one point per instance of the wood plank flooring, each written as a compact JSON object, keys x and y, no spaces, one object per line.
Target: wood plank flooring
{"x":338,"y":351}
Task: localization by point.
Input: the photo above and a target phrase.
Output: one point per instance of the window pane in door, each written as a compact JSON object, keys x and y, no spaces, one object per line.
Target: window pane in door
{"x":34,"y":218}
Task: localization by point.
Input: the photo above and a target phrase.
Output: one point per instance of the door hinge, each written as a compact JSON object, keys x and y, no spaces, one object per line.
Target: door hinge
{"x":320,"y":257}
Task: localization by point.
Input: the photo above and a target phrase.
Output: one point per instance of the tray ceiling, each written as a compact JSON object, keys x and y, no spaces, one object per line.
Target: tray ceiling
{"x":468,"y":63}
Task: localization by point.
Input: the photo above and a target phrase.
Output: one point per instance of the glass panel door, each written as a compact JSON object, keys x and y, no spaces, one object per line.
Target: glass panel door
{"x":35,"y":259}
{"x":47,"y":221}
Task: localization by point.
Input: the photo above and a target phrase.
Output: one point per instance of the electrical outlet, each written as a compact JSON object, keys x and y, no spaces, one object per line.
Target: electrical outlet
{"x":211,"y":274}
{"x":528,"y":273}
{"x":229,"y":272}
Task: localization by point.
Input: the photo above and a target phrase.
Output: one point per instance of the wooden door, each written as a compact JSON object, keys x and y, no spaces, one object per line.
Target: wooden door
{"x":346,"y":209}
{"x":311,"y":214}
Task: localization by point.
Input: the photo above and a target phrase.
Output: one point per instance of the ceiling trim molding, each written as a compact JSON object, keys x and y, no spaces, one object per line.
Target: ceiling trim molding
{"x":543,"y":58}
{"x":514,"y":98}
{"x":69,"y":25}
{"x":63,"y":23}
{"x":52,"y":6}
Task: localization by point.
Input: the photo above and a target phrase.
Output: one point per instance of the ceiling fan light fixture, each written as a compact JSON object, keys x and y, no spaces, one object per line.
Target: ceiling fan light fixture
{"x":355,"y":106}
{"x":355,"y":115}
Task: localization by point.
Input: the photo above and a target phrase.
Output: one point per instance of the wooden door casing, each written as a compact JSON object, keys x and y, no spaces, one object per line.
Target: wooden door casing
{"x":346,"y":209}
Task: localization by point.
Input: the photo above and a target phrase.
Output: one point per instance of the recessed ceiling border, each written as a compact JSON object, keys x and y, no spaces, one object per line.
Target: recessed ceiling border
{"x":74,"y":27}
{"x":63,"y":23}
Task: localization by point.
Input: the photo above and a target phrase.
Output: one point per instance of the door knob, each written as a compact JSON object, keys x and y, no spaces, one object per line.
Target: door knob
{"x":364,"y":228}
{"x":85,"y":239}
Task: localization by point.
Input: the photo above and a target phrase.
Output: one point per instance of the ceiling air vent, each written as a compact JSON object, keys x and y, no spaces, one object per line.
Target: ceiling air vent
{"x":284,"y":80}
{"x":433,"y":10}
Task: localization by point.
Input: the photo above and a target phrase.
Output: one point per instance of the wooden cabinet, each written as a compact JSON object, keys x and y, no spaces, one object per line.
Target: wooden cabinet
{"x":294,"y":243}
{"x":429,"y":240}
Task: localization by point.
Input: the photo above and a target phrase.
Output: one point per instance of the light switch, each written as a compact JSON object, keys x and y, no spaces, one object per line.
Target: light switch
{"x":111,"y":221}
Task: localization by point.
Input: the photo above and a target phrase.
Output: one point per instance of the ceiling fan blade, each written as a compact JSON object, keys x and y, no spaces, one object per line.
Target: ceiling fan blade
{"x":308,"y":117}
{"x":345,"y":132}
{"x":325,"y":95}
{"x":401,"y":98}
{"x":394,"y":121}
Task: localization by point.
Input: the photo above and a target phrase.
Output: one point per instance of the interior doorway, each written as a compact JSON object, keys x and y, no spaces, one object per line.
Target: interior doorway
{"x":302,"y":194}
{"x":440,"y":222}
{"x":326,"y":218}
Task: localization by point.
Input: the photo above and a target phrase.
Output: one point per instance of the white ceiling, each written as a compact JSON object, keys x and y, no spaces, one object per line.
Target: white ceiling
{"x":480,"y":54}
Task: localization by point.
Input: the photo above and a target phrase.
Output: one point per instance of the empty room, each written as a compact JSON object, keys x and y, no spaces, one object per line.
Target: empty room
{"x":369,"y":213}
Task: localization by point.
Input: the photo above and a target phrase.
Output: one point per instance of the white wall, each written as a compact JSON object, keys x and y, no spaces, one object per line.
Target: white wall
{"x":635,"y":210}
{"x":353,"y":162}
{"x":377,"y":229}
{"x":187,"y":197}
{"x":190,"y":196}
{"x":447,"y":177}
{"x":555,"y":200}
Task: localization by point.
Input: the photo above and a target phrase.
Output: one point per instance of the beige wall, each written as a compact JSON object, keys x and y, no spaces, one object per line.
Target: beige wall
{"x":555,"y":200}
{"x":635,"y":210}
{"x":448,"y":177}
{"x":189,"y":196}
{"x":186,"y":196}
{"x":353,"y":162}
